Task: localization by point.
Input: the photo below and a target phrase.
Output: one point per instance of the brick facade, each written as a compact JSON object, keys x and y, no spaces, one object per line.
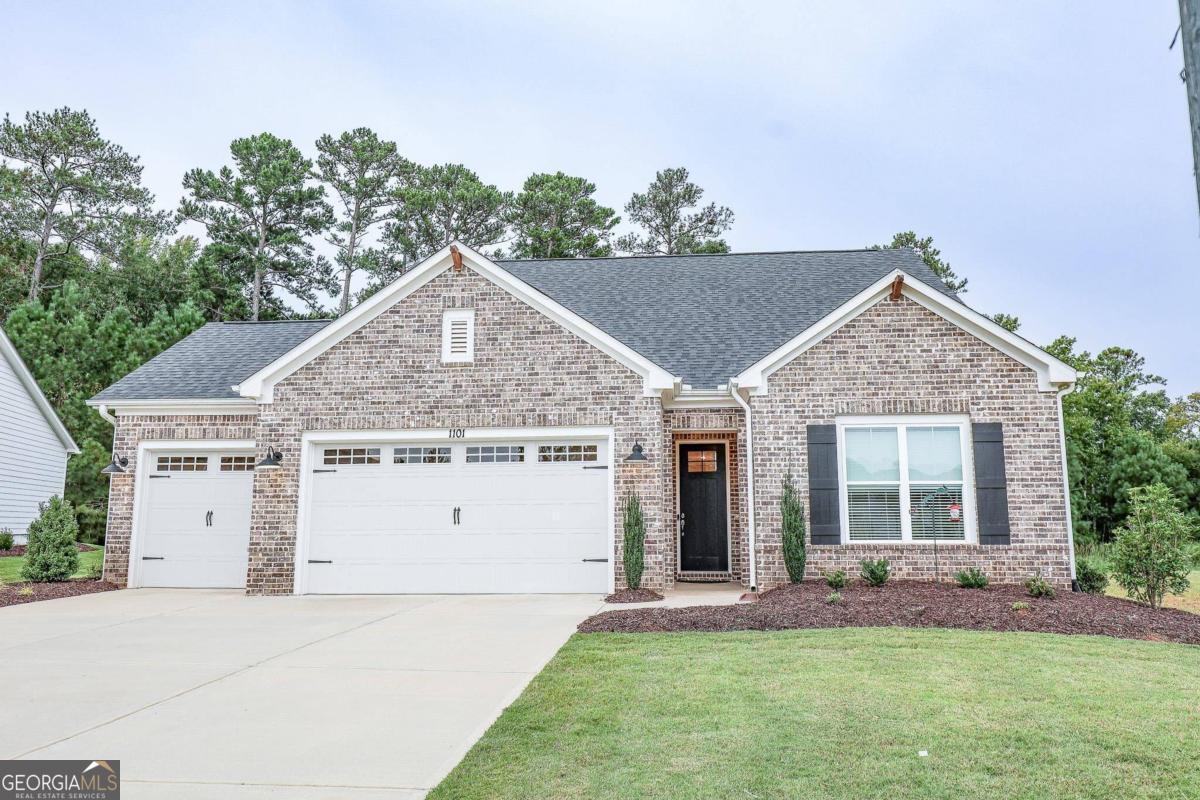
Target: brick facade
{"x":896,"y":358}
{"x":899,"y":358}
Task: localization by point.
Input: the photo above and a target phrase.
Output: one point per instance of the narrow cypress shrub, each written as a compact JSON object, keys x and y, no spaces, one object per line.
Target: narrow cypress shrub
{"x":795,"y":556}
{"x":50,"y":554}
{"x":635,"y":541}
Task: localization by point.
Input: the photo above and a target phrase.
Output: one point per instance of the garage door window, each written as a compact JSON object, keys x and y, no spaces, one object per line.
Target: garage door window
{"x":495,"y":454}
{"x":421,"y":455}
{"x":352,"y":455}
{"x":567,"y":452}
{"x":183,"y":463}
{"x":237,"y":463}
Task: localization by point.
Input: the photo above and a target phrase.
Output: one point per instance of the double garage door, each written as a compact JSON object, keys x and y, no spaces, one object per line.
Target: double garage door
{"x":383,"y":517}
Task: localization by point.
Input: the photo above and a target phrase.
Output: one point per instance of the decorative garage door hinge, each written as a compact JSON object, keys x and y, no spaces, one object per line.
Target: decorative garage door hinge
{"x":158,"y":476}
{"x":596,"y":466}
{"x":152,"y":558}
{"x":318,"y":561}
{"x":324,"y":470}
{"x":596,"y":560}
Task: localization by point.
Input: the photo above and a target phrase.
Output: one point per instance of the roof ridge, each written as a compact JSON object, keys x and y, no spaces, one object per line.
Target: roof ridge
{"x":266,"y":321}
{"x":706,"y":255}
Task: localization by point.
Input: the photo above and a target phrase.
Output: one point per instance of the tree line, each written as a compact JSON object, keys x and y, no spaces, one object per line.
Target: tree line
{"x":95,"y":280}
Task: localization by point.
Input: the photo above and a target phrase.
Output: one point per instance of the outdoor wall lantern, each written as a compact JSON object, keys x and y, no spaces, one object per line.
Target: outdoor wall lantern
{"x":638,"y":453}
{"x":273,"y":460}
{"x":117,"y":466}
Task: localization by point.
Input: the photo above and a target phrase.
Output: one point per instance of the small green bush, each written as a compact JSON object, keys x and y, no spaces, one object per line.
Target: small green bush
{"x":95,"y":571}
{"x":836,"y":579}
{"x":833,"y":598}
{"x":50,"y":554}
{"x":6,"y":539}
{"x":1020,"y":605}
{"x":795,"y":555}
{"x":1150,"y":560}
{"x":635,"y":542}
{"x":971,"y":578}
{"x":875,"y":571}
{"x":1091,"y":576}
{"x":1037,"y":586}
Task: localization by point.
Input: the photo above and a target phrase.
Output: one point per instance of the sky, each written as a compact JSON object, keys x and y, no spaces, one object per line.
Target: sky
{"x":1044,"y":146}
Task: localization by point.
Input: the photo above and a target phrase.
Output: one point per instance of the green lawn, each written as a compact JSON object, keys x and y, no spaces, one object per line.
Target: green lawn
{"x":844,"y":714}
{"x":10,"y":568}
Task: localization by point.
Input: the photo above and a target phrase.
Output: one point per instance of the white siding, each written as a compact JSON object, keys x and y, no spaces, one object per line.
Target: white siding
{"x":33,"y":461}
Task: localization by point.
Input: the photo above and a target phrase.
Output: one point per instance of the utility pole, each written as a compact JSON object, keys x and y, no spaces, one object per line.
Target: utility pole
{"x":1189,"y":28}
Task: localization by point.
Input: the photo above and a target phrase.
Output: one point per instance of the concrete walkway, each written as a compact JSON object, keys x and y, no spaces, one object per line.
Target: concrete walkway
{"x":212,"y":694}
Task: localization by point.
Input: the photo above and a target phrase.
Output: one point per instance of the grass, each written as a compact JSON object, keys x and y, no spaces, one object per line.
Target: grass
{"x":1188,"y":601}
{"x":10,"y":567}
{"x":844,"y":714}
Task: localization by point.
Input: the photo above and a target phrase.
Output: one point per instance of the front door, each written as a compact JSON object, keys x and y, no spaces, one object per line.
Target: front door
{"x":703,"y":509}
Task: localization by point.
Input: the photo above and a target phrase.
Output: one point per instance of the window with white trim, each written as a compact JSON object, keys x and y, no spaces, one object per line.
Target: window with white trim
{"x":458,"y":336}
{"x":905,"y":481}
{"x":351,"y":455}
{"x":548,"y":453}
{"x":183,"y":463}
{"x":496,"y":454}
{"x":421,"y":455}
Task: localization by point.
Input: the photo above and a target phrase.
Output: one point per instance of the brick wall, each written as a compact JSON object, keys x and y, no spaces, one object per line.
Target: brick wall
{"x":528,"y":372}
{"x":132,"y":431}
{"x":899,"y":358}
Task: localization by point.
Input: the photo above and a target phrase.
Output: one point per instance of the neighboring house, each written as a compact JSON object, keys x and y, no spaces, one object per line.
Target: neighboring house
{"x":477,"y":425}
{"x":34,"y":445}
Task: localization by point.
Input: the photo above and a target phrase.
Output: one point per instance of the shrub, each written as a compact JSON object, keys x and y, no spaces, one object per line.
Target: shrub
{"x":795,"y":556}
{"x":833,"y":598}
{"x":875,"y":571}
{"x":1091,"y":576}
{"x":25,"y":591}
{"x":836,"y":579}
{"x":1037,"y":586}
{"x":50,"y":554}
{"x":1150,"y":561}
{"x":95,"y":571}
{"x":971,"y":578}
{"x":635,"y":541}
{"x":6,"y":539}
{"x":1020,"y":606}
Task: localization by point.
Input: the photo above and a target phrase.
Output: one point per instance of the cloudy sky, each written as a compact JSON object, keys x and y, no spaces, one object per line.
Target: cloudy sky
{"x":1044,"y":145}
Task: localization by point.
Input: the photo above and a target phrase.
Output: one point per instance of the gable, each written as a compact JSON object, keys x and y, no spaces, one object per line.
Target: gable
{"x":1052,"y":374}
{"x":260,"y":386}
{"x":22,"y":403}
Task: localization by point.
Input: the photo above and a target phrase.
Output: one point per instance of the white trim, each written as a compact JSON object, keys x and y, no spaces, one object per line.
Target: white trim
{"x":310,"y":440}
{"x":751,"y":533}
{"x":449,"y":318}
{"x":260,"y":386}
{"x":900,"y":422}
{"x":167,"y":408}
{"x":1052,"y":373}
{"x":679,"y":443}
{"x":10,"y":354}
{"x":1062,"y":447}
{"x":141,"y":469}
{"x":699,"y":399}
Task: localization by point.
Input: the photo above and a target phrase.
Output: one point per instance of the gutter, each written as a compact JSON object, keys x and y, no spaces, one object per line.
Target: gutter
{"x":1062,"y":447}
{"x":751,"y":538}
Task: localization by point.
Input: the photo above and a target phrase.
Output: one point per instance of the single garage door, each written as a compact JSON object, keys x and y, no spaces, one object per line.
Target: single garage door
{"x":196,"y":528}
{"x":486,"y":517}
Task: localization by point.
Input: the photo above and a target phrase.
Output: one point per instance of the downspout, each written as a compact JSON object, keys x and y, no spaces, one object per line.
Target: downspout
{"x":1062,"y":447}
{"x":750,"y":538}
{"x":102,"y":410}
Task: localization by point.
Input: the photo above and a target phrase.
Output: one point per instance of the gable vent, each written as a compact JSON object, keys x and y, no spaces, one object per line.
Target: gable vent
{"x":458,"y":336}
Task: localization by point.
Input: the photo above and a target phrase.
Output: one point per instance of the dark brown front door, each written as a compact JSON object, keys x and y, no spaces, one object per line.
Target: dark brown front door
{"x":703,"y":509}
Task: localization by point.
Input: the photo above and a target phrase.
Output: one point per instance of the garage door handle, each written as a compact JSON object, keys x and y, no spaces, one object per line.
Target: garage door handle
{"x":152,"y":558}
{"x":316,"y":561}
{"x":596,"y":560}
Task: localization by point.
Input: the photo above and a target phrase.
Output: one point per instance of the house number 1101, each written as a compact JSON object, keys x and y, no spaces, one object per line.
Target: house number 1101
{"x":458,"y":433}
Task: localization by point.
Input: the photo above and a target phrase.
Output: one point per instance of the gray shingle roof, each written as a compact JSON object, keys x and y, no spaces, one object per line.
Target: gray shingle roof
{"x":704,"y":318}
{"x":207,"y":363}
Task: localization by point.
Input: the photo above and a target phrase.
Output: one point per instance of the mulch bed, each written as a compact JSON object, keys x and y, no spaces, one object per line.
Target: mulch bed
{"x":19,"y":549}
{"x":914,"y":604}
{"x":633,"y":596}
{"x":10,"y":593}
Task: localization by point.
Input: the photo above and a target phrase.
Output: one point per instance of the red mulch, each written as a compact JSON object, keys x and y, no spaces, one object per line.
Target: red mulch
{"x":915,"y":604}
{"x":633,"y":596}
{"x":19,"y":549}
{"x":10,"y":594}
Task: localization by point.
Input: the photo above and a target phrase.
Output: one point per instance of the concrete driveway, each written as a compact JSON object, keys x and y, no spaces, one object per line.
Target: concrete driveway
{"x":212,"y":694}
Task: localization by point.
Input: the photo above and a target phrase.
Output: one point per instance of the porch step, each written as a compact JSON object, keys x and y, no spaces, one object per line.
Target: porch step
{"x":703,"y":577}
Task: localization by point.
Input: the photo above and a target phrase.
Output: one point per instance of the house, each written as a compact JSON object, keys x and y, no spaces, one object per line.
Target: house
{"x":477,"y":425}
{"x":34,"y":445}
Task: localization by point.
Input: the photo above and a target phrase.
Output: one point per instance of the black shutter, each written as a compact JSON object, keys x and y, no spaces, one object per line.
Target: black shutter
{"x":823,"y":492}
{"x":991,"y":486}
